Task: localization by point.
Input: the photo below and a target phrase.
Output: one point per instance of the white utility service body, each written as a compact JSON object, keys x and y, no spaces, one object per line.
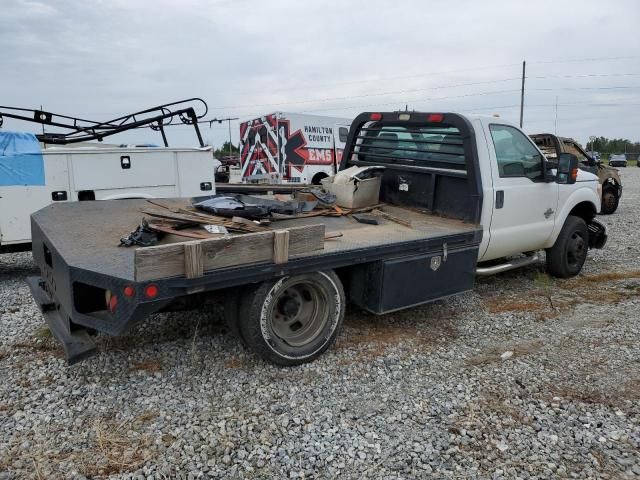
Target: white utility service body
{"x":291,"y":147}
{"x":533,"y":212}
{"x":99,"y":173}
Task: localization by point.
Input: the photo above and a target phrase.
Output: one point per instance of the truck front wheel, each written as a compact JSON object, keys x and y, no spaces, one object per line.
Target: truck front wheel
{"x":610,"y":200}
{"x":293,"y":319}
{"x":566,"y":258}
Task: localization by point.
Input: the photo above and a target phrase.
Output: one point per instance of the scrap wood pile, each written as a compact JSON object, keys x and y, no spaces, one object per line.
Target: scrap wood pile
{"x":232,"y":230}
{"x":218,"y":215}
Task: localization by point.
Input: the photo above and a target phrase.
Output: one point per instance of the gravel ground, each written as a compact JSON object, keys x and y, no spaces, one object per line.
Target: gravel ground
{"x":526,"y":377}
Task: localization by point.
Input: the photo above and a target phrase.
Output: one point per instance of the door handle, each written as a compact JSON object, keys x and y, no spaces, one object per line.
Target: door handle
{"x":548,"y":213}
{"x":499,"y":198}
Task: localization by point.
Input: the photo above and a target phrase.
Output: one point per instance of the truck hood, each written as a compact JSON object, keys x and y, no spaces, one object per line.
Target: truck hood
{"x":586,"y":176}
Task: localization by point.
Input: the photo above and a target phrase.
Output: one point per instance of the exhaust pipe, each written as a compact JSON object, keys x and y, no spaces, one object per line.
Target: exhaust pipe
{"x":510,"y":265}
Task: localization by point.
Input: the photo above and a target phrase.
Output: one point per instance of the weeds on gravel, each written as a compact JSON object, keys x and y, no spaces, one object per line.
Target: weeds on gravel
{"x":116,"y":449}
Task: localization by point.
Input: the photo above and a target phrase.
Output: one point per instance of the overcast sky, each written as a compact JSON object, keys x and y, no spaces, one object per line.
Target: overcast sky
{"x":101,"y":59}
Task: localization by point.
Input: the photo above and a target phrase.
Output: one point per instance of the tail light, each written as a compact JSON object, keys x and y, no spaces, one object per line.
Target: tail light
{"x":435,"y":117}
{"x":151,"y":291}
{"x":129,"y":291}
{"x":375,"y":117}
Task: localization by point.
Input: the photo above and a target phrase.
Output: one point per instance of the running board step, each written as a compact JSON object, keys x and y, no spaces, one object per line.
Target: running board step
{"x":510,"y":265}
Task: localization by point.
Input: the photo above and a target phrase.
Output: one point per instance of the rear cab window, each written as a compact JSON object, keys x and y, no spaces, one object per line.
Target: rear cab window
{"x":436,"y":146}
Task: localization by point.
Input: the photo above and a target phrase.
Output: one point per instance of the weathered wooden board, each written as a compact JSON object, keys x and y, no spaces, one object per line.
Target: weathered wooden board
{"x":152,"y":263}
{"x":281,"y":246}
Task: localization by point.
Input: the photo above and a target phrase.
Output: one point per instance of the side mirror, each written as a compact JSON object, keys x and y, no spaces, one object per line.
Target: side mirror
{"x":567,"y":168}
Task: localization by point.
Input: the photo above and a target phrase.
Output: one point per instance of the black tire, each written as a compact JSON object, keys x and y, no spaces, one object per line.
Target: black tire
{"x":610,"y":200}
{"x":566,"y":258}
{"x":294,"y":319}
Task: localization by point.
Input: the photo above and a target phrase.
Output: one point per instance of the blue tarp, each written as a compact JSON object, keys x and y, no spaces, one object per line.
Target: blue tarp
{"x":21,"y":161}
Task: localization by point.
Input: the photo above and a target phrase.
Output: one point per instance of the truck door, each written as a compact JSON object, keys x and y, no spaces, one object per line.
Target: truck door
{"x":524,"y":205}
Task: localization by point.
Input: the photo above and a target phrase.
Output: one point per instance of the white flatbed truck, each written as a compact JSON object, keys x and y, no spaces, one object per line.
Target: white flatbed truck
{"x":474,"y":189}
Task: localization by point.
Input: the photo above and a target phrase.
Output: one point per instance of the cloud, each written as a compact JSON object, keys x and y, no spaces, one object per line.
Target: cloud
{"x":100,"y":59}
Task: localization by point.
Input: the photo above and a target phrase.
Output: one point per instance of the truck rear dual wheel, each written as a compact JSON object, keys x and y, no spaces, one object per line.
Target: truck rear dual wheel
{"x":567,"y":256}
{"x":610,"y":201}
{"x":290,"y":320}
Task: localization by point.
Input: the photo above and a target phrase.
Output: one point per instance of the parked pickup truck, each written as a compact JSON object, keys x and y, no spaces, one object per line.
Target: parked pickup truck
{"x":469,"y":189}
{"x":552,"y":146}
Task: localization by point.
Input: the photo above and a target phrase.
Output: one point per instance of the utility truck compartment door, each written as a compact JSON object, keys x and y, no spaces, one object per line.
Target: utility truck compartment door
{"x":388,"y":285}
{"x":125,"y":169}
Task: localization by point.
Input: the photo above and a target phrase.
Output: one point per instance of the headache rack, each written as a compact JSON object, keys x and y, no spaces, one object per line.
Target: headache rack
{"x":181,"y":112}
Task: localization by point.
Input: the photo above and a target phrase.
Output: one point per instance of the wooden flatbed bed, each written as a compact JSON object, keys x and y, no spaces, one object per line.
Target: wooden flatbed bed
{"x":87,"y":234}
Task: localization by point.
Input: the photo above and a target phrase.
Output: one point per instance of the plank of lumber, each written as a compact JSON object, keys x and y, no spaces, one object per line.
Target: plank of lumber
{"x":162,"y":261}
{"x":392,"y":218}
{"x":180,"y":233}
{"x":281,"y":246}
{"x":204,"y":220}
{"x":193,"y":259}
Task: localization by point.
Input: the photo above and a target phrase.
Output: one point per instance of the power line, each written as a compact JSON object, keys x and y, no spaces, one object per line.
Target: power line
{"x":415,"y":90}
{"x":582,"y":60}
{"x":365,"y":95}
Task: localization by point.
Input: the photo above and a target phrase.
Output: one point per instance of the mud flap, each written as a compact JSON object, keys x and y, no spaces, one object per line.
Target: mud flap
{"x":597,"y":234}
{"x":76,"y":341}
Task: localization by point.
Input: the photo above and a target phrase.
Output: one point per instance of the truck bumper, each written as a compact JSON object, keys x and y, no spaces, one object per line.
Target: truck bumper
{"x":597,"y":234}
{"x":74,"y":339}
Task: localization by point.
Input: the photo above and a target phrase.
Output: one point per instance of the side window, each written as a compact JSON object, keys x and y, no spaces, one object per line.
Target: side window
{"x":343,"y":133}
{"x":573,"y":148}
{"x":516,"y":155}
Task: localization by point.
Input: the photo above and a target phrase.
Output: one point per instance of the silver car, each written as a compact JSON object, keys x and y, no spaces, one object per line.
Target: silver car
{"x":618,"y":160}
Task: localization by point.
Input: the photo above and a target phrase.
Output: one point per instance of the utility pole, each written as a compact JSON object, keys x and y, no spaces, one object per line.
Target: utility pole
{"x":556,"y":132}
{"x":524,"y":65}
{"x":220,"y":120}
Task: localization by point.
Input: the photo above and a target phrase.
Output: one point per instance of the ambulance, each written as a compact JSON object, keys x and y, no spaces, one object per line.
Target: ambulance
{"x":290,"y":148}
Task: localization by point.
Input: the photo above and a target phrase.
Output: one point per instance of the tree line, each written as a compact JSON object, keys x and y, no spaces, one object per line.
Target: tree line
{"x":604,"y":145}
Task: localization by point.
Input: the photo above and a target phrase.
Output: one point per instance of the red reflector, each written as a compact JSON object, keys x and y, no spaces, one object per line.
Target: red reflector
{"x":376,"y":116}
{"x":435,"y":117}
{"x":129,"y":291}
{"x":151,"y":291}
{"x":113,"y":303}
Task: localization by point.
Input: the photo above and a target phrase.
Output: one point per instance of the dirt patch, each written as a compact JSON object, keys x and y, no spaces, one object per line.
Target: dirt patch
{"x":557,"y":296}
{"x":234,"y":362}
{"x":150,"y":366}
{"x":613,"y":397}
{"x":372,"y":336}
{"x":604,"y":277}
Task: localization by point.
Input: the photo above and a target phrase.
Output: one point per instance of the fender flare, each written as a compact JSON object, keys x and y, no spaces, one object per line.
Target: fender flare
{"x":585,"y":199}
